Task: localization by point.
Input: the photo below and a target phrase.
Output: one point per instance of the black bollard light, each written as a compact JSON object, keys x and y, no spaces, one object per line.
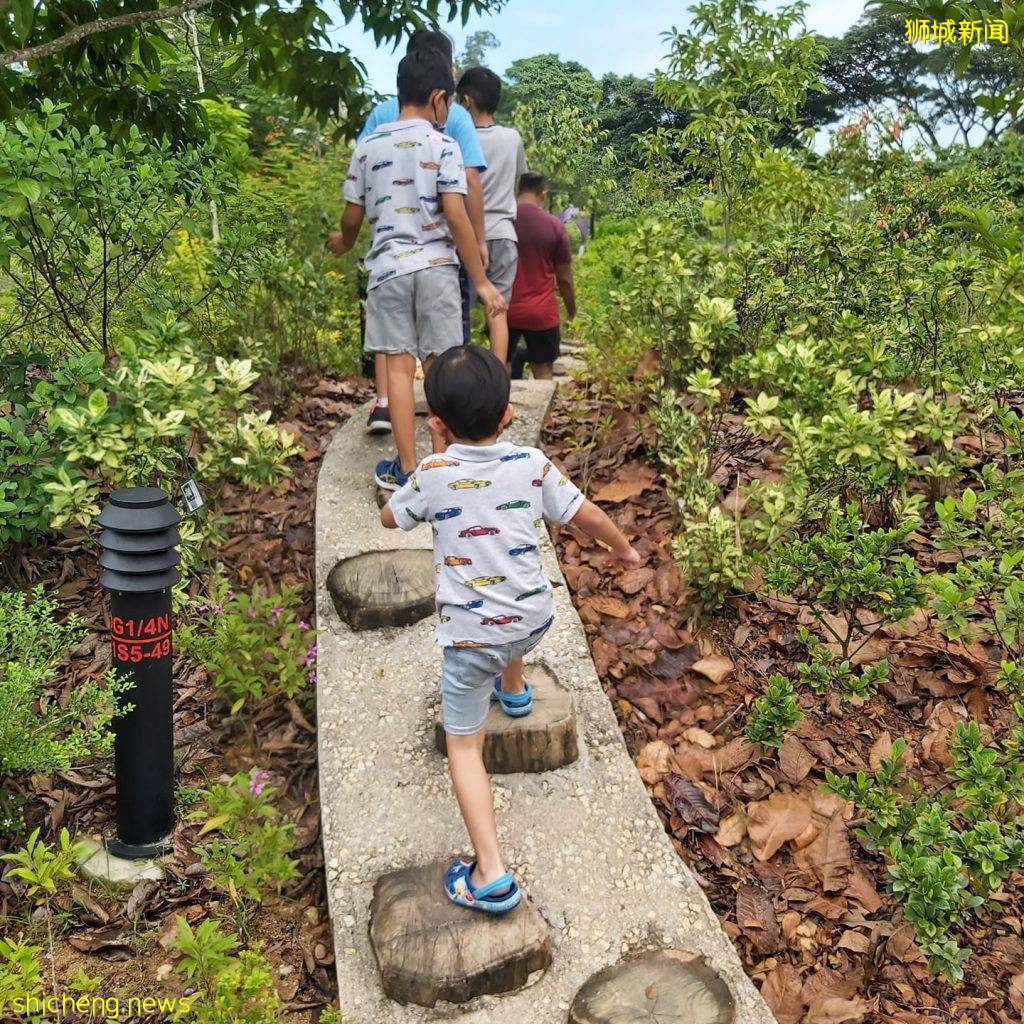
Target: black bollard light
{"x":139,"y":562}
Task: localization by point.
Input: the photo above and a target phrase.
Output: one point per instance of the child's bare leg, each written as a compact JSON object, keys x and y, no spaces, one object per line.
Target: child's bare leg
{"x":543,"y":371}
{"x":512,"y":678}
{"x":380,"y":372}
{"x":437,"y":441}
{"x":476,"y":801}
{"x":401,"y":370}
{"x":497,"y":331}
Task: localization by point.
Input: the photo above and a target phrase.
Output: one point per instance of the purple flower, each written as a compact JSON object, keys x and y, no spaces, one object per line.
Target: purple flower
{"x":303,"y":625}
{"x":263,"y":775}
{"x":204,"y":607}
{"x":311,"y":675}
{"x":255,"y":787}
{"x":218,"y":609}
{"x":275,"y":612}
{"x":251,"y":613}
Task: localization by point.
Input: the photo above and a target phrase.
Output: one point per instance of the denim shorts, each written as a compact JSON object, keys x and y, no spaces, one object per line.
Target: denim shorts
{"x":467,"y":681}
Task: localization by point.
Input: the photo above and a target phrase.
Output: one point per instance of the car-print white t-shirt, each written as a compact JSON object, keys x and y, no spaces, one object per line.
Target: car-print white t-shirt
{"x":486,"y":505}
{"x":398,"y":175}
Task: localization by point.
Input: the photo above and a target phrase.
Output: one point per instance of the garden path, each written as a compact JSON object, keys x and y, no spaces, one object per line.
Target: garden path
{"x":603,"y":879}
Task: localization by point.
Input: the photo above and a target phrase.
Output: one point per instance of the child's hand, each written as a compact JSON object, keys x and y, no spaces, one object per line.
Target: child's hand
{"x":628,"y":556}
{"x":336,"y":243}
{"x":491,"y":298}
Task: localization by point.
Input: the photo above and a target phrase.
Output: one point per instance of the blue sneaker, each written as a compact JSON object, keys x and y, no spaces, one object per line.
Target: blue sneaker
{"x":389,"y":475}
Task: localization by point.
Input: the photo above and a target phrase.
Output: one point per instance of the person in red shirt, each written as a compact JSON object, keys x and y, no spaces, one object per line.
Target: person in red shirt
{"x":544,"y":261}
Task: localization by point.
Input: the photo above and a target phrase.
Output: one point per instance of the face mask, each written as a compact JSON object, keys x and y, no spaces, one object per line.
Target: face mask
{"x":439,"y":124}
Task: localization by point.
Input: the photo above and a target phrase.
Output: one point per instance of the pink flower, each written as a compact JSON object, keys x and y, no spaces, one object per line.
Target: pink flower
{"x":251,"y":613}
{"x":303,"y":625}
{"x":255,"y":787}
{"x":275,"y":612}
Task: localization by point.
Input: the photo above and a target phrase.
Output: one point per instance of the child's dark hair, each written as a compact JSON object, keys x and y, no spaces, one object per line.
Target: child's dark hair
{"x":430,"y":39}
{"x":483,"y":86}
{"x":467,"y":389}
{"x":533,"y":181}
{"x":421,"y":73}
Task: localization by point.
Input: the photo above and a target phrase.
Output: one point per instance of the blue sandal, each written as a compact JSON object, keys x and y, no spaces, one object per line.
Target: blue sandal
{"x":515,"y":705}
{"x":461,"y":892}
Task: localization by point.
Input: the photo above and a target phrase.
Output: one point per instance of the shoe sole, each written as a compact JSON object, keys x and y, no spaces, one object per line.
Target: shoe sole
{"x":386,"y":485}
{"x":379,"y":428}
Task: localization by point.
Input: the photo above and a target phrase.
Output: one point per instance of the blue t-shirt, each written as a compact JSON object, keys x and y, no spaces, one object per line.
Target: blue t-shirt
{"x":460,"y":127}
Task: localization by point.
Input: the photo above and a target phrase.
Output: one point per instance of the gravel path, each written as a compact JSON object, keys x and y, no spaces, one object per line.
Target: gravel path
{"x":584,"y":840}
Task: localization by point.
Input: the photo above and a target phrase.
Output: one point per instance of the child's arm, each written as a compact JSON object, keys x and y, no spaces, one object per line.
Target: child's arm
{"x":387,"y":518}
{"x":454,"y":206}
{"x":475,"y":209}
{"x":595,"y":522}
{"x":340,"y":242}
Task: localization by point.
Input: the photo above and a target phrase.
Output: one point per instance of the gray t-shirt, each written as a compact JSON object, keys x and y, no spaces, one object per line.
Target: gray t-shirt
{"x":486,"y":504}
{"x":506,"y":161}
{"x":397,"y":175}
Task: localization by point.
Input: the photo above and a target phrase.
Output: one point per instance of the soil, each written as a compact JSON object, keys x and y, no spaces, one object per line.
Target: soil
{"x":123,"y":938}
{"x":777,"y":855}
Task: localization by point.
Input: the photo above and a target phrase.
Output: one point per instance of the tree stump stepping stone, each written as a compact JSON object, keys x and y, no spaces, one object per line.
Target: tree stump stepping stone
{"x":384,"y":588}
{"x":540,"y":742}
{"x":429,"y":950}
{"x":665,"y":986}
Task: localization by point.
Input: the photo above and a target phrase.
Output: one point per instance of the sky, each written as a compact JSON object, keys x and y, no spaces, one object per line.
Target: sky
{"x":604,"y":35}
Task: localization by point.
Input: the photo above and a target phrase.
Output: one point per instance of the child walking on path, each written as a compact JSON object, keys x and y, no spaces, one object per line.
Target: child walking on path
{"x":486,"y":501}
{"x":408,"y":180}
{"x":479,"y":91}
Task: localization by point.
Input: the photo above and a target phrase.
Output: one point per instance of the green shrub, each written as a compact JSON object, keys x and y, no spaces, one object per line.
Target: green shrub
{"x":249,"y":851}
{"x":774,"y":714}
{"x":950,"y":849}
{"x":844,"y":568}
{"x":37,"y":732}
{"x":253,"y":644}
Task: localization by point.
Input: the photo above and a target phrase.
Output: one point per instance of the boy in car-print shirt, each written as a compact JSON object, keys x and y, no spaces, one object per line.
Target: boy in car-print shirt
{"x":486,"y":501}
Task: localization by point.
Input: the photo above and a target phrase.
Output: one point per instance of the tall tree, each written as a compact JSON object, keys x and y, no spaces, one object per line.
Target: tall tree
{"x":474,"y":50}
{"x":106,"y":56}
{"x":872,"y":64}
{"x":546,"y":82}
{"x":628,"y":109}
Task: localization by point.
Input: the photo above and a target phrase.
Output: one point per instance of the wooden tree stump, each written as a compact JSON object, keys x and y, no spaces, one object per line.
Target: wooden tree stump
{"x":429,"y":950}
{"x":542,"y":741}
{"x":667,"y":986}
{"x":383,"y":588}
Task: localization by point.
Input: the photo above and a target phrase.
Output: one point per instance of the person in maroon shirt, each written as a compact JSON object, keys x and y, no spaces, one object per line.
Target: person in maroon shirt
{"x":544,"y":261}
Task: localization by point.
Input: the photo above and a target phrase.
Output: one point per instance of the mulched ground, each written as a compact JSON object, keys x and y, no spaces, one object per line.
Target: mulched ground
{"x":123,"y":938}
{"x":775,"y":854}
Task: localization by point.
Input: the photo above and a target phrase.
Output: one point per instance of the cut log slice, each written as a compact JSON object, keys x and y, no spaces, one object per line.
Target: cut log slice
{"x":667,"y":986}
{"x":429,"y":950}
{"x":383,"y":588}
{"x":542,"y":741}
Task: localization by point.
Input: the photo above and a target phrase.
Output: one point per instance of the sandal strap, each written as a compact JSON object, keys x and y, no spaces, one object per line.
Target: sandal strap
{"x":506,"y":882}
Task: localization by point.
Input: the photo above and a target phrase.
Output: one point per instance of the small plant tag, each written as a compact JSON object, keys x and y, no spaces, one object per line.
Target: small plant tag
{"x":190,"y":495}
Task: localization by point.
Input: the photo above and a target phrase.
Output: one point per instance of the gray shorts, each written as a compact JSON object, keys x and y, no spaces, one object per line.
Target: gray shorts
{"x":467,"y":681}
{"x":504,"y":254}
{"x":417,"y":314}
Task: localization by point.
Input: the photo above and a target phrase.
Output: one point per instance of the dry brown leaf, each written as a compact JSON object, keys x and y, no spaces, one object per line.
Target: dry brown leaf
{"x":613,"y":606}
{"x":880,"y":750}
{"x":781,"y":991}
{"x":855,"y":941}
{"x":829,"y":854}
{"x":862,"y":889}
{"x":833,"y":1010}
{"x":756,"y":916}
{"x":772,"y":822}
{"x":621,"y":490}
{"x":1016,"y":992}
{"x":632,"y":581}
{"x":699,"y":736}
{"x":716,"y":667}
{"x":731,"y":830}
{"x":654,"y":761}
{"x":795,"y":760}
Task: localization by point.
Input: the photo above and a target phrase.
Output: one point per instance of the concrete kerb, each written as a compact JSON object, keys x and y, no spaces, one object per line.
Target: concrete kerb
{"x":583,"y":840}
